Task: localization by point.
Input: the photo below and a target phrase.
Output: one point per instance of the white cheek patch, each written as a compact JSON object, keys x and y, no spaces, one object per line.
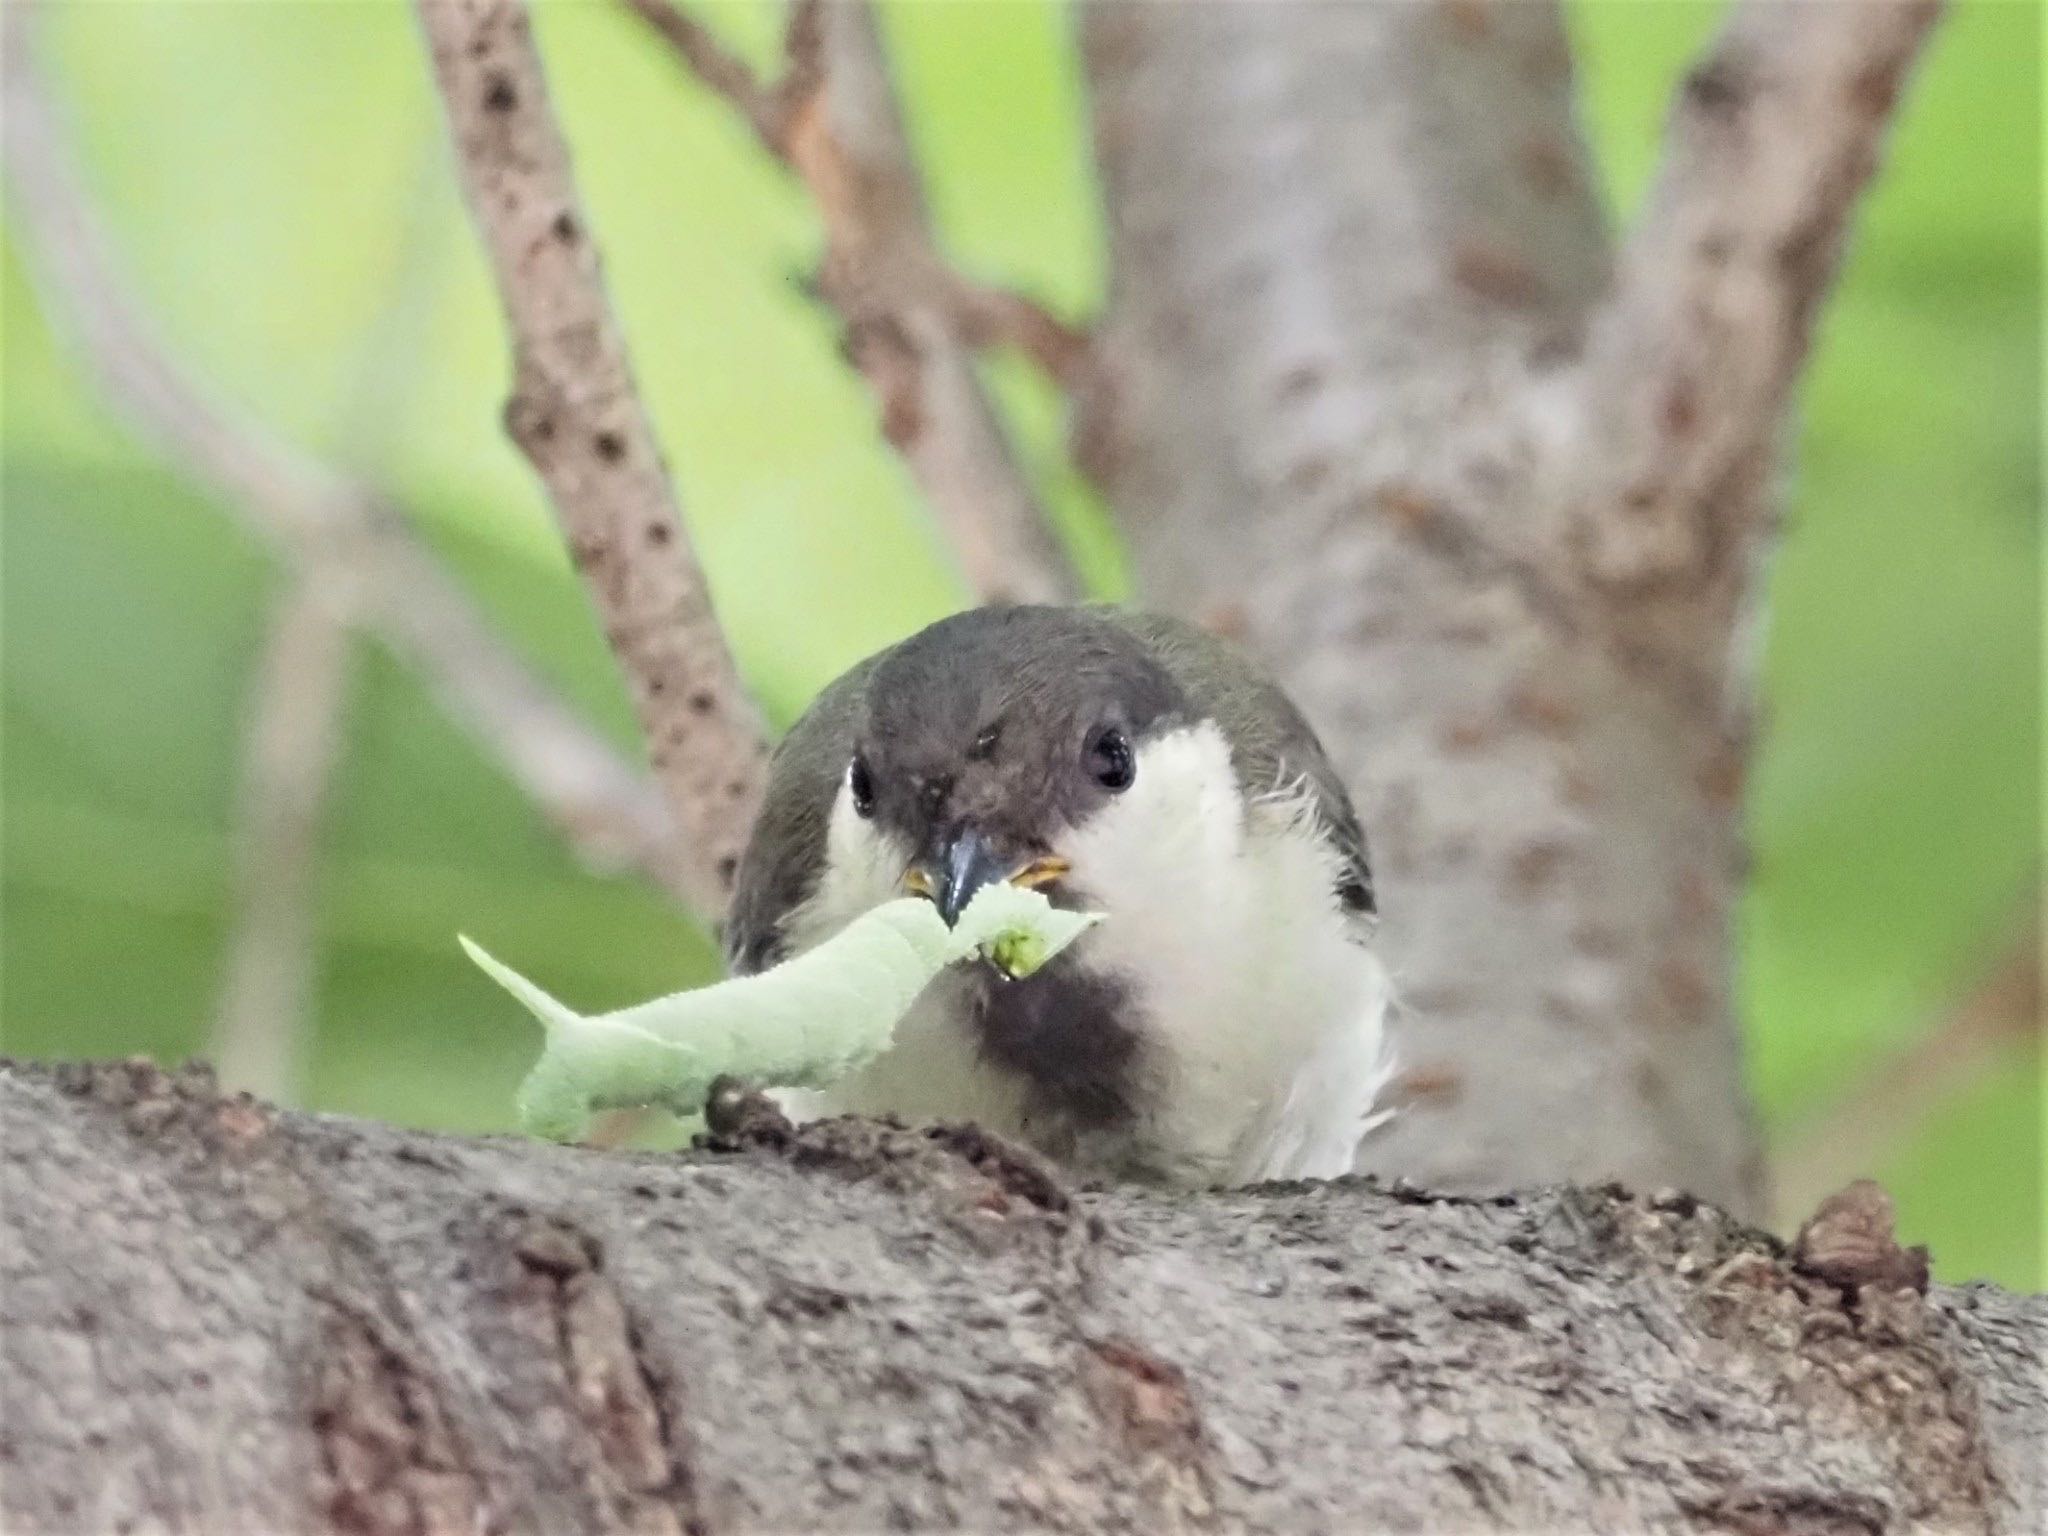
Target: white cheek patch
{"x":864,"y":867}
{"x":1166,"y":861}
{"x":1181,"y":814}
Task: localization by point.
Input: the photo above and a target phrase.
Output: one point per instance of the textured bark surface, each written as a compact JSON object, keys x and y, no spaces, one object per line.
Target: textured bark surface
{"x":1373,"y":393}
{"x":220,"y":1319}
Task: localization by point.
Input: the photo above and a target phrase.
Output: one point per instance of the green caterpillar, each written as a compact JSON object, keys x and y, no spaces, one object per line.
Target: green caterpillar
{"x":803,"y":1024}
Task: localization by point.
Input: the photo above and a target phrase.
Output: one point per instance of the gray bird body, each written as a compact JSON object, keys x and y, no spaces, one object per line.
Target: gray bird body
{"x":1224,"y":1024}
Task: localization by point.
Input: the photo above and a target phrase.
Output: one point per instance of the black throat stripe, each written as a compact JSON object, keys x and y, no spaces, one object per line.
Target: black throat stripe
{"x":1072,"y":1035}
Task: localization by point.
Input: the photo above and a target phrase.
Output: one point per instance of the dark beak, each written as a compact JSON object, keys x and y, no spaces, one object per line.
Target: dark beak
{"x":966,"y":863}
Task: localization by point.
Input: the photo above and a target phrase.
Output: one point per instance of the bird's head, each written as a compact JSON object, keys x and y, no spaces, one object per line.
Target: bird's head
{"x":984,"y":746}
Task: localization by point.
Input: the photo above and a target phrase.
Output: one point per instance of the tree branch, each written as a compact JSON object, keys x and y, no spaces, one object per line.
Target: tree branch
{"x":221,"y":1317}
{"x":293,"y":735}
{"x":768,"y":109}
{"x":359,"y":545}
{"x":986,"y":317}
{"x":983,"y":316}
{"x":575,"y":413}
{"x":1693,"y":359}
{"x":911,"y":322}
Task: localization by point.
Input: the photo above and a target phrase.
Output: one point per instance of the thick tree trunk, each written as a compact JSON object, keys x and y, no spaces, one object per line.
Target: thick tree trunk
{"x":1374,"y":392}
{"x":225,"y":1319}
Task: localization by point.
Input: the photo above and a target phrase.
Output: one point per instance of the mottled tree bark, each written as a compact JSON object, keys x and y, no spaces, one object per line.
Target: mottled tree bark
{"x":221,"y":1318}
{"x":1374,"y":391}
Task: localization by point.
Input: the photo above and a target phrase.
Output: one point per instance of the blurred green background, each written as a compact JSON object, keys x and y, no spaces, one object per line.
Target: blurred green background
{"x":275,"y":176}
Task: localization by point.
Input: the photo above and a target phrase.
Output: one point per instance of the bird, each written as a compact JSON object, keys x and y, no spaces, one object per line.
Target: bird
{"x":1225,"y":1024}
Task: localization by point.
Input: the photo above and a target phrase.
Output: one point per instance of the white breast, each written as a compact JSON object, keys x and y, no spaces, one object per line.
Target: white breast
{"x":1268,"y":1005}
{"x":1263,"y":1009}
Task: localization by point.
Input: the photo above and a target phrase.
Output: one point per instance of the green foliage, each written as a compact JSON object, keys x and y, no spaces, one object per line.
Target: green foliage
{"x":276,"y":180}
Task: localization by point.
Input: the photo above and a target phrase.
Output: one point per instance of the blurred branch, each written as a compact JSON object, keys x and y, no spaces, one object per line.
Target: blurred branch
{"x":365,"y":554}
{"x":1690,"y":364}
{"x":770,"y":110}
{"x":293,"y":736}
{"x":297,"y":710}
{"x":382,"y":395}
{"x":1851,"y":1138}
{"x":984,"y":316}
{"x":911,"y":322}
{"x":575,"y":413}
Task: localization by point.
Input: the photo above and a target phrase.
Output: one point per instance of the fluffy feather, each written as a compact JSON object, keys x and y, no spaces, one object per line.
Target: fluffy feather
{"x":1263,"y":1008}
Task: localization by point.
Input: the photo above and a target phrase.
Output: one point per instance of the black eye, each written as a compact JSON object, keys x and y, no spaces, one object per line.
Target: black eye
{"x":1109,"y":759}
{"x":862,"y":785}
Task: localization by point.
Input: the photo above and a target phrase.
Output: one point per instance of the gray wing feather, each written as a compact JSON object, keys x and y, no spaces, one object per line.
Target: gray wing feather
{"x":1272,"y":743}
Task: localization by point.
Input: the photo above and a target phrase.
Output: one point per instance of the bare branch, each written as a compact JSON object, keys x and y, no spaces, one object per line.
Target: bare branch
{"x":394,"y":587}
{"x":1001,"y":317}
{"x":911,"y":322}
{"x":576,"y":415}
{"x":293,"y":737}
{"x":720,"y":69}
{"x":1690,"y":365}
{"x":983,"y":316}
